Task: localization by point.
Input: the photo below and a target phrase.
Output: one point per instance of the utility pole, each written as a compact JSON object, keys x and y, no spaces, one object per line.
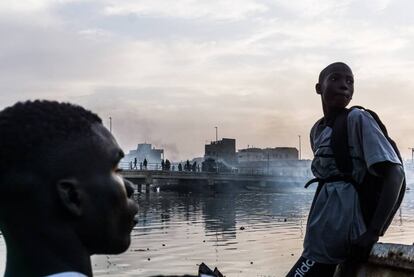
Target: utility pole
{"x":110,"y":124}
{"x":216,"y":133}
{"x":300,"y":148}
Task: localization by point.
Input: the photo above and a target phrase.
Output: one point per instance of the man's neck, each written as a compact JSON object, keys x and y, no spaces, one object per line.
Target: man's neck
{"x":330,"y":113}
{"x":37,"y":253}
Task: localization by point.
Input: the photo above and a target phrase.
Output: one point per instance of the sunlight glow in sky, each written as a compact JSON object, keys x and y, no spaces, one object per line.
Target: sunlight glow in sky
{"x":167,"y":72}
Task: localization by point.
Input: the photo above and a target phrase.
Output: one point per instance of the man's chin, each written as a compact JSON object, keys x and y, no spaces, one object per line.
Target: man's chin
{"x":115,"y":248}
{"x":342,"y":104}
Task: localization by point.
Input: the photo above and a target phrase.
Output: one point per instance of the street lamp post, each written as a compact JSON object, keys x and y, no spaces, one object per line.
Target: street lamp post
{"x":300,"y":148}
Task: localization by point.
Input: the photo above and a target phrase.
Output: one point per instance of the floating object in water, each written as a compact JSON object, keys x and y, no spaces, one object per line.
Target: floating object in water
{"x":205,"y":271}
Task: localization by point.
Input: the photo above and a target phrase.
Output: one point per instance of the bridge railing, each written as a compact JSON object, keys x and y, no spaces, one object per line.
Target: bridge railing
{"x":243,"y":172}
{"x":203,"y":173}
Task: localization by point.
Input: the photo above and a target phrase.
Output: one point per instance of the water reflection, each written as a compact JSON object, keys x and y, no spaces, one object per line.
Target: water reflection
{"x":243,"y":234}
{"x":220,"y":213}
{"x":220,"y":216}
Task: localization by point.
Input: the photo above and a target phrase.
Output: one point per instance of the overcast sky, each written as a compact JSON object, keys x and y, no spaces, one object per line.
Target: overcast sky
{"x":168,"y":72}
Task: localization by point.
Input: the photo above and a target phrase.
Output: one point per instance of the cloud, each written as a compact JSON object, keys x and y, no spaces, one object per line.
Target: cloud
{"x":170,"y":74}
{"x":214,"y":9}
{"x":26,"y":6}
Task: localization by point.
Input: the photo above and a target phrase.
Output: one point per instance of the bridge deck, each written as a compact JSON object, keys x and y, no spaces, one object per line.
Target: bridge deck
{"x":189,"y":175}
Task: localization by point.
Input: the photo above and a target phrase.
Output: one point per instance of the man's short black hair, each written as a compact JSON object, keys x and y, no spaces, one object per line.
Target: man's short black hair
{"x":330,"y":68}
{"x":28,"y":128}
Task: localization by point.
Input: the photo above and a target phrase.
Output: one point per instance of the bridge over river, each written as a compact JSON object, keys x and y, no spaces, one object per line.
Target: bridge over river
{"x":212,"y":180}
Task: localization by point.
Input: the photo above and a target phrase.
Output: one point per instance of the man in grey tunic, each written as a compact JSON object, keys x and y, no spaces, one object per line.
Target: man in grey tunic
{"x":336,"y":226}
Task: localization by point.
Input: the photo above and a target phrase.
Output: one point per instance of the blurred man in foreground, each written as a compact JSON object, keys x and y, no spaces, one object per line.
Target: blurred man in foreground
{"x":61,"y":196}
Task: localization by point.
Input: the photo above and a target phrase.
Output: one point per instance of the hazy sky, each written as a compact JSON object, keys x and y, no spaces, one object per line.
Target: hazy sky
{"x":168,"y":71}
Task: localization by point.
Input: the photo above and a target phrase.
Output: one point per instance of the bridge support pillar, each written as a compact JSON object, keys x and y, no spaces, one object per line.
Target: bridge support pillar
{"x":148,"y":182}
{"x":210,"y":182}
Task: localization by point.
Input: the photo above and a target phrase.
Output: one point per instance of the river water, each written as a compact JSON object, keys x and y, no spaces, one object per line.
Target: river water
{"x":244,"y":234}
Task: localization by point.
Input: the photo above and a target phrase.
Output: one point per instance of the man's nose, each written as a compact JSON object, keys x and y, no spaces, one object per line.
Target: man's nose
{"x":129,"y":186}
{"x":344,"y":86}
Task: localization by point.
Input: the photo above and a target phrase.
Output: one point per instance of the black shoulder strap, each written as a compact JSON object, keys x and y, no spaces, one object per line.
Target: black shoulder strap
{"x":339,"y":142}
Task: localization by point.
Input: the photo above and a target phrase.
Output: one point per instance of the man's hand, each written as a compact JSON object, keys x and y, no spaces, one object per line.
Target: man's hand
{"x":361,"y":247}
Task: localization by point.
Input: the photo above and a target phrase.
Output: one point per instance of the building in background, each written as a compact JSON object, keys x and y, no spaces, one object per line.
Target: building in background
{"x":267,"y":154}
{"x":144,"y":151}
{"x":279,"y":161}
{"x":222,"y":150}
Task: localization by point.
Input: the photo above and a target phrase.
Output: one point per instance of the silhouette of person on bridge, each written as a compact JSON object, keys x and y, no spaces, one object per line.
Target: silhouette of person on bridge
{"x":145,"y":163}
{"x":167,"y":165}
{"x":60,"y":178}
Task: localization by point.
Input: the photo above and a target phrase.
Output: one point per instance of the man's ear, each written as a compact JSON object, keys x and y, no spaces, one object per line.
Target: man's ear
{"x":70,"y":196}
{"x":318,"y":88}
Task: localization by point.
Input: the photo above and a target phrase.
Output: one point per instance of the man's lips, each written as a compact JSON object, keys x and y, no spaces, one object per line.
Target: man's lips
{"x":343,"y":94}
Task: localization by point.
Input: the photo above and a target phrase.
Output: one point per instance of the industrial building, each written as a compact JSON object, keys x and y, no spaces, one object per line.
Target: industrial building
{"x":222,"y":150}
